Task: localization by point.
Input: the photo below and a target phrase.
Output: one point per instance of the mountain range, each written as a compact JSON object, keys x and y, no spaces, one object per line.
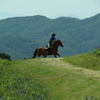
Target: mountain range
{"x":20,"y":36}
{"x":4,"y":15}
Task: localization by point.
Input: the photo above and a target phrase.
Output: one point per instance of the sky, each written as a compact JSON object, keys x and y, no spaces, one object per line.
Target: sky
{"x":51,"y":8}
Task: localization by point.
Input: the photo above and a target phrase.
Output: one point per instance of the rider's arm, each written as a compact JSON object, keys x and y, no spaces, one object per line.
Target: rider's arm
{"x":50,"y":41}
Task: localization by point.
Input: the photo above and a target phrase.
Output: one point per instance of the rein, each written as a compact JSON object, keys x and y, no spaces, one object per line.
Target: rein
{"x":56,"y":43}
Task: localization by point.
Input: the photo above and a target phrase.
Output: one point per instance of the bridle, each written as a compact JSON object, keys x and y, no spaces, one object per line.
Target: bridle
{"x":56,"y":43}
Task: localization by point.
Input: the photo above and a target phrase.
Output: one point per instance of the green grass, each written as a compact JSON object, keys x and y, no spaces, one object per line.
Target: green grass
{"x":64,"y":83}
{"x":89,"y":61}
{"x":15,"y":85}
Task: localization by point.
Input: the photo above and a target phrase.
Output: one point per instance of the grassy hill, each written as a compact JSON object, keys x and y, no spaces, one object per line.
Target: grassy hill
{"x":20,"y":36}
{"x":14,"y":85}
{"x":89,"y":61}
{"x":64,"y":81}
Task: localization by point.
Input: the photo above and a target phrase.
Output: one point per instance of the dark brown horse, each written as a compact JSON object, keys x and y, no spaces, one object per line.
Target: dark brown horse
{"x":54,"y":50}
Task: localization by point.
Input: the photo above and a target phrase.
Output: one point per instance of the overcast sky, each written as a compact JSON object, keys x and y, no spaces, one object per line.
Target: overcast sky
{"x":49,"y":8}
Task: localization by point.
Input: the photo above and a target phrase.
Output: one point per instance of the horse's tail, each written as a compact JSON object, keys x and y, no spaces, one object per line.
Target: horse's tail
{"x":35,"y":53}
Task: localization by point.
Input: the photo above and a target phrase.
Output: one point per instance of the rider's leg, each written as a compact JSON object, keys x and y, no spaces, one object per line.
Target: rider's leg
{"x":49,"y":48}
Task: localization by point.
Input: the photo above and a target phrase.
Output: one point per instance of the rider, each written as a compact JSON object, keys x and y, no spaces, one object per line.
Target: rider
{"x":50,"y":42}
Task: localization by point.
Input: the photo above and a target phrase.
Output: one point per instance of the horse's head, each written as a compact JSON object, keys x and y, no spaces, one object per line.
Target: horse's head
{"x":59,"y":43}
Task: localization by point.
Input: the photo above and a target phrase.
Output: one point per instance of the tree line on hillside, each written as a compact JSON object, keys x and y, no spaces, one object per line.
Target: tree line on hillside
{"x":5,"y":56}
{"x":97,"y":51}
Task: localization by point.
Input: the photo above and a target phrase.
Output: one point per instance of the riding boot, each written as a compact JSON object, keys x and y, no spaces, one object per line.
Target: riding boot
{"x":49,"y":49}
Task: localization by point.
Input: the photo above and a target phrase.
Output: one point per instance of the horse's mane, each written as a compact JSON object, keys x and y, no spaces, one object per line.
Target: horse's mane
{"x":58,"y":40}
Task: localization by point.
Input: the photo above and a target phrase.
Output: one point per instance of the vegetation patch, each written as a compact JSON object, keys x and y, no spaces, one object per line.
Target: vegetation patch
{"x":15,"y":85}
{"x":5,"y":56}
{"x":97,"y":51}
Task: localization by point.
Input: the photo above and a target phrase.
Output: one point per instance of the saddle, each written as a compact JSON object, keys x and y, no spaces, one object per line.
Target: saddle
{"x":46,"y":47}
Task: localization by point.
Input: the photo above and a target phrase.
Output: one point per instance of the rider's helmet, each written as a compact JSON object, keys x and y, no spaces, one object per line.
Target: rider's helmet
{"x":53,"y":34}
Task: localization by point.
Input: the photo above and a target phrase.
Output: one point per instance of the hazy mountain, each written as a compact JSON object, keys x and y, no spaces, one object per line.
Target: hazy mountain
{"x":67,"y":15}
{"x":20,"y":36}
{"x":4,"y":15}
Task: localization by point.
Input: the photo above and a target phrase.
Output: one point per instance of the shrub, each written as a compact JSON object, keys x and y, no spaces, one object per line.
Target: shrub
{"x":97,"y":51}
{"x":5,"y":56}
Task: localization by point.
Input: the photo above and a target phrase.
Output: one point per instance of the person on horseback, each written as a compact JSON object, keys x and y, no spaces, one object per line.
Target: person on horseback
{"x":50,"y":42}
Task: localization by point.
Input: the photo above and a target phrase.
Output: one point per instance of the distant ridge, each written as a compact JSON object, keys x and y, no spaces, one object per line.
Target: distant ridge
{"x":4,"y":15}
{"x":68,"y":15}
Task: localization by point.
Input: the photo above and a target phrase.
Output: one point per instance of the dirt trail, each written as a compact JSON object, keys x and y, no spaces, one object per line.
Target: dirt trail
{"x":57,"y":62}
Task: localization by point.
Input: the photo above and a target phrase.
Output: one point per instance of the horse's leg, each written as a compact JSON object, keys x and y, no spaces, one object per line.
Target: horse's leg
{"x":44,"y":56}
{"x":39,"y":53}
{"x":58,"y":54}
{"x":55,"y":55}
{"x":44,"y":53}
{"x":39,"y":56}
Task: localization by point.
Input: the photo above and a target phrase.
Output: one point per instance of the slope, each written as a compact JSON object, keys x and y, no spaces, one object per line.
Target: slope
{"x":64,"y":81}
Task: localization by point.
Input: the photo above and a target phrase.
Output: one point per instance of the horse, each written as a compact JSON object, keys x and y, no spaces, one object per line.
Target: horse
{"x":54,"y":50}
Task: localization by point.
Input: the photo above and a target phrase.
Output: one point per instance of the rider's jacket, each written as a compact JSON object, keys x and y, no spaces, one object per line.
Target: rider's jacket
{"x":51,"y":39}
{"x":50,"y":43}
